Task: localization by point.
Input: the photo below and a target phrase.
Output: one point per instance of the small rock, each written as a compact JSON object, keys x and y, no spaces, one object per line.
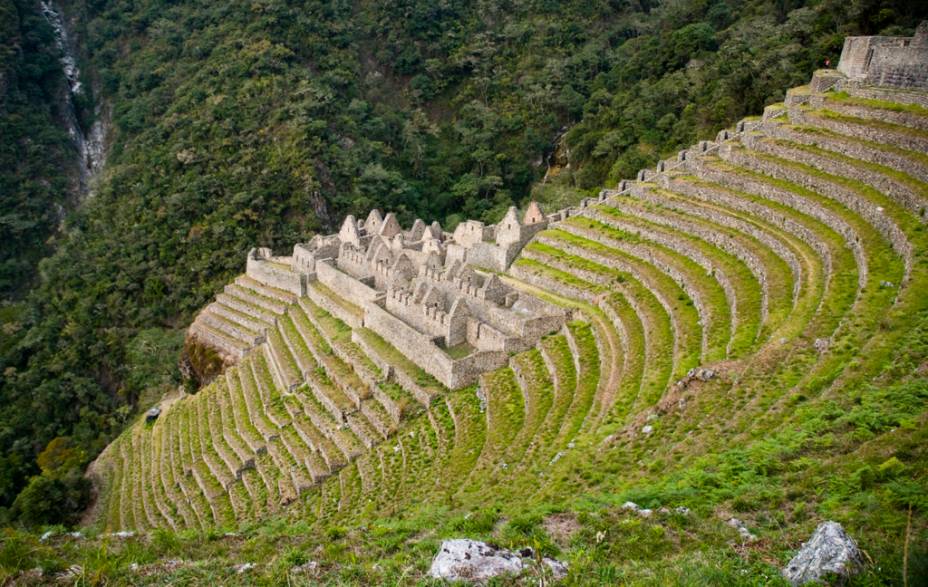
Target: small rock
{"x":482,"y":396}
{"x":645,"y":512}
{"x":461,"y":559}
{"x":244,"y":568}
{"x":742,"y":529}
{"x":123,"y":534}
{"x":682,"y":510}
{"x":571,"y":444}
{"x":886,"y":284}
{"x":71,"y":574}
{"x":821,"y":344}
{"x":705,"y":374}
{"x":829,"y":551}
{"x":630,"y":505}
{"x":664,"y":510}
{"x":76,"y":535}
{"x":307,"y":568}
{"x":558,"y":568}
{"x":152,"y":414}
{"x":556,"y":457}
{"x":133,"y":567}
{"x":46,"y":536}
{"x":647,"y":429}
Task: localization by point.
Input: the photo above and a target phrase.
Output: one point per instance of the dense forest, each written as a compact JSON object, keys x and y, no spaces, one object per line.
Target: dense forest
{"x":242,"y":124}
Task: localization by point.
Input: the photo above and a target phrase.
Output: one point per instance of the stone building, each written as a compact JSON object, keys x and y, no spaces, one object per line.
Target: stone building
{"x":899,"y":62}
{"x":435,"y":296}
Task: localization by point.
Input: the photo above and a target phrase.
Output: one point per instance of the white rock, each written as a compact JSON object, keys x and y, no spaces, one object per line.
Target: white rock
{"x":742,"y":529}
{"x":648,"y":429}
{"x":645,"y":513}
{"x":307,"y":568}
{"x":123,"y":534}
{"x":558,"y":569}
{"x":630,"y":505}
{"x":46,"y":536}
{"x":244,"y":568}
{"x":682,"y":510}
{"x":829,"y":551}
{"x":461,"y":559}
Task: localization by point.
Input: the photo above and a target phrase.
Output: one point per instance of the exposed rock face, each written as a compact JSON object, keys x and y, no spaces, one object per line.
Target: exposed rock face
{"x":461,"y":559}
{"x":829,"y":551}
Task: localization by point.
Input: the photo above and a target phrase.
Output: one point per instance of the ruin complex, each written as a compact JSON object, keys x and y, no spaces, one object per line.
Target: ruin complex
{"x":434,"y":295}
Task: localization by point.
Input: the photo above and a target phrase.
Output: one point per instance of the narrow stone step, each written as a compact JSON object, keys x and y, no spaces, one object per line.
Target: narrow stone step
{"x":305,"y":455}
{"x":218,"y":437}
{"x":334,"y":430}
{"x":218,"y":339}
{"x":228,"y":328}
{"x":243,"y":306}
{"x":301,"y":353}
{"x":270,"y":395}
{"x":246,"y":322}
{"x":243,"y":424}
{"x":378,"y":417}
{"x":265,"y":290}
{"x":255,"y":404}
{"x":281,"y":363}
{"x":362,"y":429}
{"x":312,"y":436}
{"x":253,"y":298}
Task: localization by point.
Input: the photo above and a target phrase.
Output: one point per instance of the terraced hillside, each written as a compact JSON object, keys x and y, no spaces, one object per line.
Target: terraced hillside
{"x":761,"y":299}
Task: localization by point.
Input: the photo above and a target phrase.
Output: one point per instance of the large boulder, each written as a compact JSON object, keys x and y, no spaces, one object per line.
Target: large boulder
{"x":830,"y":551}
{"x":461,"y":559}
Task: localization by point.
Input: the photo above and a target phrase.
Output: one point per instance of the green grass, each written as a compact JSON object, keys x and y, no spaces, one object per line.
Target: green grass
{"x":785,"y":436}
{"x":399,"y":361}
{"x":872,"y":123}
{"x":845,"y":98}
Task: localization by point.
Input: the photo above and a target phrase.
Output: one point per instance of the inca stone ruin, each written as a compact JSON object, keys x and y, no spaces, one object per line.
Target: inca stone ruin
{"x":433,"y":295}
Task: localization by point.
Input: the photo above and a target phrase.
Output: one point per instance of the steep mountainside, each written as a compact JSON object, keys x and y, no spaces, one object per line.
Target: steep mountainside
{"x":748,"y":342}
{"x":237,"y":124}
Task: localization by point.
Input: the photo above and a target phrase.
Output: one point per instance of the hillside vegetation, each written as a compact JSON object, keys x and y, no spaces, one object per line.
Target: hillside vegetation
{"x":261,"y":123}
{"x":749,"y":341}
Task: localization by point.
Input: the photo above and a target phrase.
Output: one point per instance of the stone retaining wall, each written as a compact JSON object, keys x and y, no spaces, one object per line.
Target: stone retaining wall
{"x":790,"y":199}
{"x":771,"y":242}
{"x":897,"y":190}
{"x":850,"y":148}
{"x":846,"y":196}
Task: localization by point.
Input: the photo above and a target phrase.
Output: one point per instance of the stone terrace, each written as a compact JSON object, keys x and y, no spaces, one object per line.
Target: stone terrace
{"x":704,"y":297}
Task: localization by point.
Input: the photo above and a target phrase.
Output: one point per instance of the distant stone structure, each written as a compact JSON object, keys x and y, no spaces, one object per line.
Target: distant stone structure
{"x":433,"y":295}
{"x":898,"y":62}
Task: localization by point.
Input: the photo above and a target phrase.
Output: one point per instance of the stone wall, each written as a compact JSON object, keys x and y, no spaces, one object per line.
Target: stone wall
{"x":270,"y":274}
{"x":343,"y":284}
{"x":899,"y":62}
